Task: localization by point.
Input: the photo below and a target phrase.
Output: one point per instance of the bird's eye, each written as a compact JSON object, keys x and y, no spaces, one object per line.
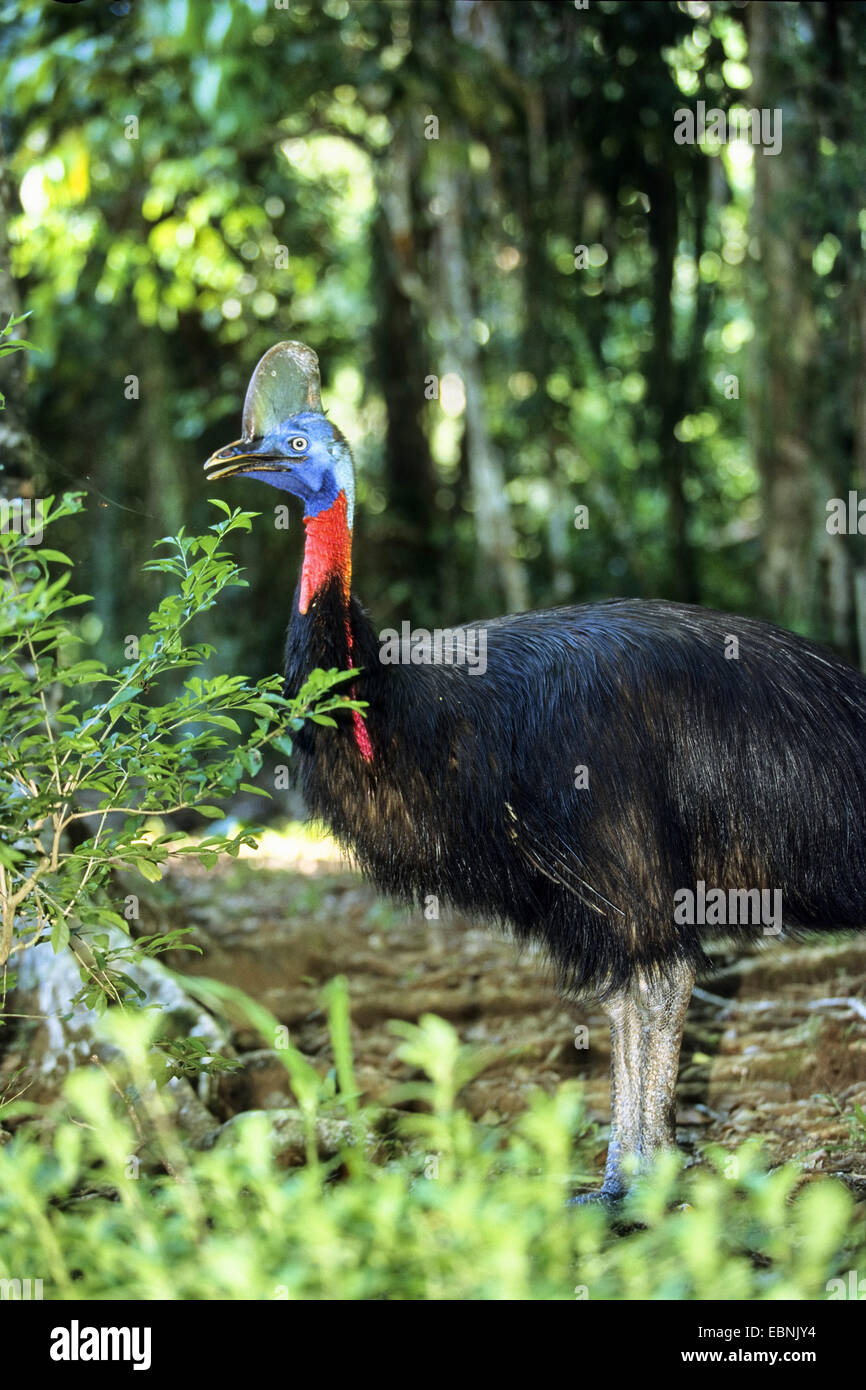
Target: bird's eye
{"x":299,"y":443}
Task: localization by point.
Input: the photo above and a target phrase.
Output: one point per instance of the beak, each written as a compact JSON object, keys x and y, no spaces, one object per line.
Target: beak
{"x":245,"y":456}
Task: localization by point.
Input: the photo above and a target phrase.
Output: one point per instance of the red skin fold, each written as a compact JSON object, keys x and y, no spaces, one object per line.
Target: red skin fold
{"x":327,"y":552}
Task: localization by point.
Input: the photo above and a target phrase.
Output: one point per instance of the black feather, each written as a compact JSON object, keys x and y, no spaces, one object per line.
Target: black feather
{"x":742,"y":773}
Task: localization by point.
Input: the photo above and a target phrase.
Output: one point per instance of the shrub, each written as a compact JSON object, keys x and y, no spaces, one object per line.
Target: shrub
{"x":86,"y":746}
{"x":459,"y":1215}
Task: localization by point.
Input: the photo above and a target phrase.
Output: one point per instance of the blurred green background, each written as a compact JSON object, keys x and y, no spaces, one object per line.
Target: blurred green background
{"x":407,"y":187}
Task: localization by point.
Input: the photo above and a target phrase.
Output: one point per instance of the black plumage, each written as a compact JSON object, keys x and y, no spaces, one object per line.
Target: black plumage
{"x":745,"y":772}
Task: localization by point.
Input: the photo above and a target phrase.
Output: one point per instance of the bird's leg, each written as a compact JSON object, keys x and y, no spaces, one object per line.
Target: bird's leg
{"x":625,"y":1073}
{"x":661,"y":1004}
{"x":646,"y":1029}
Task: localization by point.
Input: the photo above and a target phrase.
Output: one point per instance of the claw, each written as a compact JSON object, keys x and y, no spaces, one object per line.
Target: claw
{"x":610,"y":1199}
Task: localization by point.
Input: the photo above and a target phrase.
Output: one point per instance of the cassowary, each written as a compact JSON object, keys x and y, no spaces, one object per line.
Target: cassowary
{"x":617,"y":780}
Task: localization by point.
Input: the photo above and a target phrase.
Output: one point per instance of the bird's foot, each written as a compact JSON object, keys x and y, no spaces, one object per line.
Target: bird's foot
{"x":611,"y":1198}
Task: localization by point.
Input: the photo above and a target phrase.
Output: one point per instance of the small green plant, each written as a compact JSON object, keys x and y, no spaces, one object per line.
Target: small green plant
{"x":9,"y":344}
{"x":855,"y":1119}
{"x":191,"y":1057}
{"x":94,"y":751}
{"x":113,"y":1203}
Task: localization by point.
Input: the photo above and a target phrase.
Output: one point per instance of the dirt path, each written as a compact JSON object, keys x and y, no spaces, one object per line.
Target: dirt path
{"x":766,"y":1050}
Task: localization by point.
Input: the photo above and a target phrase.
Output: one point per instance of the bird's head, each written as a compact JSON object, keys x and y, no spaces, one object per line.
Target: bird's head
{"x":287,"y":440}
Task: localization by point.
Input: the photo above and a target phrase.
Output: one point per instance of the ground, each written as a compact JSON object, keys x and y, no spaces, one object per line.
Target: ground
{"x":775,"y":1042}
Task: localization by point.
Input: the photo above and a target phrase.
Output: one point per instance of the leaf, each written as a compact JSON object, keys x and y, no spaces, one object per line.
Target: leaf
{"x":212,"y":812}
{"x":58,"y":555}
{"x":151,"y":872}
{"x":261,"y":707}
{"x":59,"y":934}
{"x":16,"y":345}
{"x":257,"y":791}
{"x":123,"y":696}
{"x":223,"y":720}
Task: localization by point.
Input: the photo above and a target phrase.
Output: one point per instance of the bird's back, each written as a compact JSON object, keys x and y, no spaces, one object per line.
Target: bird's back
{"x":607,"y":758}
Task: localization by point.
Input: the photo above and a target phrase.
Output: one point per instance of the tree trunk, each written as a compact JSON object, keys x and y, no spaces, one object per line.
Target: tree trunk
{"x":784,"y":349}
{"x":410,"y":555}
{"x":665,"y":376}
{"x":496,"y":538}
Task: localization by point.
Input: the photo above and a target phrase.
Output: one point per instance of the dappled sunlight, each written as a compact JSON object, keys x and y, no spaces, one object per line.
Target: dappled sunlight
{"x":295,"y":846}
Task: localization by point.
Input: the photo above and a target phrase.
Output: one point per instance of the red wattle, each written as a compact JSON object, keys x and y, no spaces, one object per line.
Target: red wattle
{"x":328,"y":552}
{"x":362,"y":738}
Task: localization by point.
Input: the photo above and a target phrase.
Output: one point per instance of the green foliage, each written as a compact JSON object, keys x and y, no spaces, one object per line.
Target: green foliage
{"x":175,"y":236}
{"x":464,"y":1214}
{"x":191,"y":1057}
{"x":92,"y":749}
{"x":9,"y":344}
{"x":215,"y":214}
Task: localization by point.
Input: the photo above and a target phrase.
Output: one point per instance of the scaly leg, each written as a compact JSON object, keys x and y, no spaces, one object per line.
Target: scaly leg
{"x":646,"y":1029}
{"x":625,"y":1053}
{"x":662,"y":1005}
{"x":625,"y":1049}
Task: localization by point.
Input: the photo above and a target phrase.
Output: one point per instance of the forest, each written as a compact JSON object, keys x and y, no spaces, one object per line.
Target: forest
{"x":587,"y":287}
{"x":526,"y":296}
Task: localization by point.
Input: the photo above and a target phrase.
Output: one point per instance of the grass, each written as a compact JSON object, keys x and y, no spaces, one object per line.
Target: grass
{"x":102,"y":1198}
